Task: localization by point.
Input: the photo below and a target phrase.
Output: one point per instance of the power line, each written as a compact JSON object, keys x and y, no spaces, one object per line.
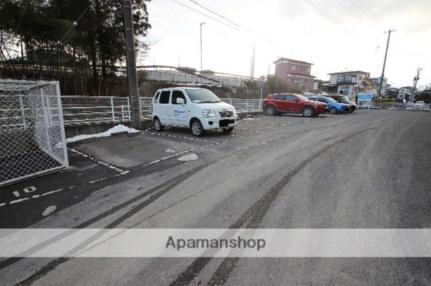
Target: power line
{"x":354,"y":14}
{"x":215,"y":13}
{"x":224,"y":18}
{"x":206,"y":15}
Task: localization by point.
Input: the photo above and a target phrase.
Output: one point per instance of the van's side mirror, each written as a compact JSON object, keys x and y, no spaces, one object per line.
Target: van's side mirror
{"x":180,"y":101}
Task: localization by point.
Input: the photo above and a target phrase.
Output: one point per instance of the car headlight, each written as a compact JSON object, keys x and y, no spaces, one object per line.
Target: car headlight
{"x":207,"y":113}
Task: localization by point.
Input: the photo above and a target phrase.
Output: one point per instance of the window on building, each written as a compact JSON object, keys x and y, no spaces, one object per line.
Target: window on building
{"x":344,"y":90}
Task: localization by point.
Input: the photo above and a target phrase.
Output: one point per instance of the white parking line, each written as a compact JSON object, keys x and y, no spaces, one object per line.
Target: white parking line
{"x":166,"y":158}
{"x":147,"y":131}
{"x":51,"y":192}
{"x":97,"y":161}
{"x":18,"y":201}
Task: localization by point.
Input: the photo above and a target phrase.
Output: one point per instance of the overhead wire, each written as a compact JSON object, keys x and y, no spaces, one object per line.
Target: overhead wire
{"x":206,"y":15}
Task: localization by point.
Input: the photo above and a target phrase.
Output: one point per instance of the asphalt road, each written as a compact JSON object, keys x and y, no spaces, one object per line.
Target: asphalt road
{"x":369,"y":169}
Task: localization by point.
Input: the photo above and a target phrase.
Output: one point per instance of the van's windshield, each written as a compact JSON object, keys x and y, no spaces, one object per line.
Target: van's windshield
{"x":202,"y":95}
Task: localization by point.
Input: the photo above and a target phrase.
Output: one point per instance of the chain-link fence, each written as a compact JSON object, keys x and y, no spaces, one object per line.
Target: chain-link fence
{"x":81,"y":110}
{"x":32,"y":138}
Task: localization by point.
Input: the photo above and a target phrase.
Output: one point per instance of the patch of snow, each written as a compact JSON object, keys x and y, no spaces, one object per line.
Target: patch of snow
{"x":114,"y":130}
{"x":49,"y":210}
{"x":188,"y":157}
{"x":248,"y":118}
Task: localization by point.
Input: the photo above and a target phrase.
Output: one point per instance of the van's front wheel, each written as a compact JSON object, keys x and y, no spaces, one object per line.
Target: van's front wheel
{"x":228,"y":130}
{"x":158,"y":125}
{"x":197,"y":128}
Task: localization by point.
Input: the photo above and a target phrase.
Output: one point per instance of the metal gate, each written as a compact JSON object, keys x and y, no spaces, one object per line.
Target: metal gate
{"x":32,"y":137}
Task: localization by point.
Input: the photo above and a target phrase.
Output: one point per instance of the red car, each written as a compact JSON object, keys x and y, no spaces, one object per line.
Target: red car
{"x":292,"y":103}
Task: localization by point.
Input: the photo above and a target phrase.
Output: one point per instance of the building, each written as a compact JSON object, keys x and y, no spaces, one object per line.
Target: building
{"x":348,"y":83}
{"x":392,"y":92}
{"x":294,"y":73}
{"x":407,"y":93}
{"x":375,"y":84}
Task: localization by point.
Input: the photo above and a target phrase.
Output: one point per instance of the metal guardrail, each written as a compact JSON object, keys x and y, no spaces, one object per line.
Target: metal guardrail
{"x":241,"y":105}
{"x":84,"y":110}
{"x":395,"y":106}
{"x":244,"y":105}
{"x":81,"y":110}
{"x":146,"y":107}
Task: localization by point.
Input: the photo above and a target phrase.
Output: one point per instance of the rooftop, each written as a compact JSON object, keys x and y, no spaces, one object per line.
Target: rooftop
{"x":349,"y":72}
{"x":291,"y":60}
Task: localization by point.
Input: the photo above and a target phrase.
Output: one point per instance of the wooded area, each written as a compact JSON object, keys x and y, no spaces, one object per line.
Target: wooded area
{"x":78,"y":42}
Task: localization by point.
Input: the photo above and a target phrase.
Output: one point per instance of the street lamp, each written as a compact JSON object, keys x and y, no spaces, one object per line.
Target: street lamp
{"x":201,"y":24}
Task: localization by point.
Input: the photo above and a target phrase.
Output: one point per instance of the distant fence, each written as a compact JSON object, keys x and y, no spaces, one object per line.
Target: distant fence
{"x":395,"y":106}
{"x":241,"y":105}
{"x":85,"y":110}
{"x":80,"y":110}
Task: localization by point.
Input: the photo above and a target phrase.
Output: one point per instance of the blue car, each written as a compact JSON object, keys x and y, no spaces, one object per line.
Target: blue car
{"x":332,"y":105}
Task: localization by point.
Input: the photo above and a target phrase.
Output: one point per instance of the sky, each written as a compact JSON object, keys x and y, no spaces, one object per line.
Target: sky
{"x":334,"y":35}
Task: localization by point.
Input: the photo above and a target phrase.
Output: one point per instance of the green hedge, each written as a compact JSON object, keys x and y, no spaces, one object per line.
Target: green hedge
{"x":384,"y":99}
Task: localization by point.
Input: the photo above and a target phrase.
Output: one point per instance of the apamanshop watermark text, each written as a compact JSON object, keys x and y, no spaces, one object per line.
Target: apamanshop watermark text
{"x":215,"y":243}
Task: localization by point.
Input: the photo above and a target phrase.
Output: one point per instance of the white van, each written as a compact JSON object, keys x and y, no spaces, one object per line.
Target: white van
{"x":196,"y":108}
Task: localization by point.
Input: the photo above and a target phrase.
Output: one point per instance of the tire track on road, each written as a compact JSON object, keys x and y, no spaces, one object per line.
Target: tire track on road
{"x":251,"y":218}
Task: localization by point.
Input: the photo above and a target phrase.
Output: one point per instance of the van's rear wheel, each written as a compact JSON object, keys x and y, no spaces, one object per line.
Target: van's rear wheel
{"x":158,"y":125}
{"x":197,"y":128}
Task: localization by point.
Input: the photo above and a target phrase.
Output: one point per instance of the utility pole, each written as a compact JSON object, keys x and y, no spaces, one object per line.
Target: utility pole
{"x":384,"y":62}
{"x":415,"y":83}
{"x":131,"y":65}
{"x":252,"y":61}
{"x":203,"y":23}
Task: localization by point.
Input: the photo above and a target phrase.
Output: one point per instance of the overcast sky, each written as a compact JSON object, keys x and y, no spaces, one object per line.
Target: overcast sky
{"x":334,"y":35}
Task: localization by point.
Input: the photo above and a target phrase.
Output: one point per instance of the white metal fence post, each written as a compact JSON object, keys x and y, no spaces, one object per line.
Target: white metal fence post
{"x":112,"y":109}
{"x":47,"y":124}
{"x":128,"y":109}
{"x":61,"y":124}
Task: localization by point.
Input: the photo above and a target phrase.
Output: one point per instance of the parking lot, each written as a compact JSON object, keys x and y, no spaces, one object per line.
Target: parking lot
{"x":367,"y":169}
{"x":100,"y":162}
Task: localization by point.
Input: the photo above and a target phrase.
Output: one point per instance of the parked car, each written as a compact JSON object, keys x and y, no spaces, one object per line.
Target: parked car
{"x":196,"y":108}
{"x":419,"y":105}
{"x":292,"y":103}
{"x":332,"y":106}
{"x":351,"y":106}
